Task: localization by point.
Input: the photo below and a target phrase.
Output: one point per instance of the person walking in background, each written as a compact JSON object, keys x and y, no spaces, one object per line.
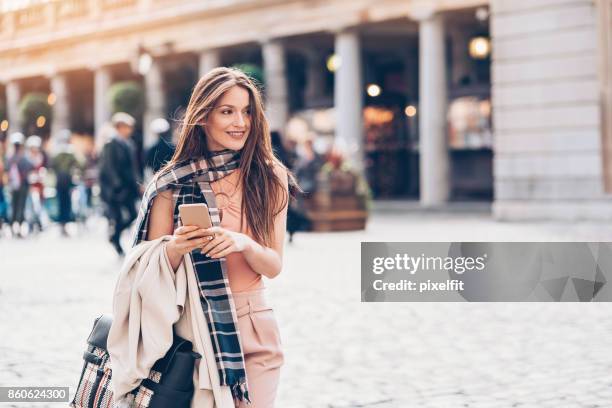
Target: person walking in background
{"x":296,"y":217}
{"x":161,"y":152}
{"x":38,"y":159}
{"x":3,"y":204}
{"x":119,"y":187}
{"x":65,"y":166}
{"x":19,"y":168}
{"x":280,"y":151}
{"x":308,"y":165}
{"x":90,"y":177}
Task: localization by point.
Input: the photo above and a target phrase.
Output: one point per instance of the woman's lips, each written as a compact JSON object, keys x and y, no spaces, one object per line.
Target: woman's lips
{"x":236,"y":135}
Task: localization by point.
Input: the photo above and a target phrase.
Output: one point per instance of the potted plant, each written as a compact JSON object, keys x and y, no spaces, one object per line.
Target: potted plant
{"x":342,"y":197}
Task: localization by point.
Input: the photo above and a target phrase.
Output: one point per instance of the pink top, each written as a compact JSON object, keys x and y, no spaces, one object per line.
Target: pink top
{"x":228,"y":194}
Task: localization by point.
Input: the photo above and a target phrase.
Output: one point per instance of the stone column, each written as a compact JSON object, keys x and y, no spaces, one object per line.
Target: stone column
{"x":13,"y":97}
{"x":434,"y":157}
{"x":102,"y":109}
{"x":277,"y":108}
{"x":348,"y":98}
{"x":155,"y":100}
{"x":208,"y":60}
{"x":61,"y":108}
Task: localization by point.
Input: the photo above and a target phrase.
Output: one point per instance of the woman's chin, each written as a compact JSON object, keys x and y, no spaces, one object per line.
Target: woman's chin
{"x":225,"y":143}
{"x":234,"y":144}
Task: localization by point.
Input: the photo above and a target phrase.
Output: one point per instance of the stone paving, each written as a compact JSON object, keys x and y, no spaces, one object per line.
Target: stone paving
{"x":339,"y":352}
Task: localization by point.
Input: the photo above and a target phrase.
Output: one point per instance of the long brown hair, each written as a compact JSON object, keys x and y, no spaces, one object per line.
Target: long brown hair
{"x":264,"y":195}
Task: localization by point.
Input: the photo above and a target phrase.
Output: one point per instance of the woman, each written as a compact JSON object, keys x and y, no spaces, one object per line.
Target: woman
{"x":224,"y":158}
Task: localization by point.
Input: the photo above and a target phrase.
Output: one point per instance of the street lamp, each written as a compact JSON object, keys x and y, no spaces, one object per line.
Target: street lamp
{"x":480,"y":47}
{"x":373,"y":90}
{"x":333,"y":62}
{"x":410,"y":111}
{"x":482,"y":14}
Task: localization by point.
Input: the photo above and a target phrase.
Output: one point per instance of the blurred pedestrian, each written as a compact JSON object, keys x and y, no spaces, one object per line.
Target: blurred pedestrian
{"x":90,"y":176}
{"x":3,"y":204}
{"x":308,"y":165}
{"x":296,"y":218}
{"x":18,"y":167}
{"x":119,"y":187}
{"x":65,"y":166}
{"x":38,"y":160}
{"x":161,"y":152}
{"x":278,"y":147}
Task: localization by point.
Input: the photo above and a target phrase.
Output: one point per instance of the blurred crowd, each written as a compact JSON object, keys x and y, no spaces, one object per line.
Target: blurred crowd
{"x":69,"y":178}
{"x":34,"y":174}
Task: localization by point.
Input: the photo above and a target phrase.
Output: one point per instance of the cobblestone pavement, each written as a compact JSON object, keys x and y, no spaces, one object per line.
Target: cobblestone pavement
{"x":339,"y":352}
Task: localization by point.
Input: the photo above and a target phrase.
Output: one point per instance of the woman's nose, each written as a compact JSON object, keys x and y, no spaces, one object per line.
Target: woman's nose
{"x":240,"y":120}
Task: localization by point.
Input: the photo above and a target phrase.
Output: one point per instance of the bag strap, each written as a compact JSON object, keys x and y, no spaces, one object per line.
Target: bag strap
{"x":179,"y":344}
{"x":100,"y":330}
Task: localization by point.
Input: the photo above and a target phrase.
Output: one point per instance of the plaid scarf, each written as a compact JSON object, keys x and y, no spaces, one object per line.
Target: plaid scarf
{"x":190,"y":183}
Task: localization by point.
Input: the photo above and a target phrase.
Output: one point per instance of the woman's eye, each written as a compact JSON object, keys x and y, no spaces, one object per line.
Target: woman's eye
{"x":247,"y":112}
{"x":226,"y":112}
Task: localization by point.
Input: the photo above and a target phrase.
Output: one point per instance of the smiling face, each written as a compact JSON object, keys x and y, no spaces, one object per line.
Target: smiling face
{"x":229,"y":123}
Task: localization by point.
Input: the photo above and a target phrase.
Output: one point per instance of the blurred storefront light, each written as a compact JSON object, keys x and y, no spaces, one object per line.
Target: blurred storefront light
{"x":333,"y":62}
{"x":51,"y":99}
{"x":377,"y":116}
{"x":480,"y":47}
{"x":4,"y":125}
{"x":482,"y":14}
{"x":373,"y":90}
{"x":485,"y":107}
{"x":410,"y":111}
{"x":41,"y":121}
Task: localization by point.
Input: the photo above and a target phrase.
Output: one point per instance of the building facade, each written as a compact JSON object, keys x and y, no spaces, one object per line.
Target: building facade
{"x":411,"y":84}
{"x":551,"y":92}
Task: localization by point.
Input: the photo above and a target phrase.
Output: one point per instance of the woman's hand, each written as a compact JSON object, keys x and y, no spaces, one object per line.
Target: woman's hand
{"x":225,"y":242}
{"x":187,"y":238}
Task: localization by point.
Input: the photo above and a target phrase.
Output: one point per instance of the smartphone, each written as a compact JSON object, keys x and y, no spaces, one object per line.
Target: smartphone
{"x":195,"y":214}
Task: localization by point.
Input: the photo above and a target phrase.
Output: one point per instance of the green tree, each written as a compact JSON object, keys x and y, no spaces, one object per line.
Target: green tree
{"x":32,"y":109}
{"x":253,"y":71}
{"x":128,"y":97}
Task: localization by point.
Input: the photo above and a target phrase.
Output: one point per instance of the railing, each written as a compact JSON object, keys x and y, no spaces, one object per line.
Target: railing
{"x":67,"y":9}
{"x":18,"y":16}
{"x":115,"y":4}
{"x":31,"y":16}
{"x":21,"y":18}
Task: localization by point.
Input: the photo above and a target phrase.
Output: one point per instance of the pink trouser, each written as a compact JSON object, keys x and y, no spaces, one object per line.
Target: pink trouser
{"x":261,"y":345}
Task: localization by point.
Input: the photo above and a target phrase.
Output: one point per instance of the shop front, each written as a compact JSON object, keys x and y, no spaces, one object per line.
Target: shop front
{"x":390,"y":98}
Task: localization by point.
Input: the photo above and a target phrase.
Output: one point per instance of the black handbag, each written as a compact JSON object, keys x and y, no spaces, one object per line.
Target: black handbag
{"x":170,"y":382}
